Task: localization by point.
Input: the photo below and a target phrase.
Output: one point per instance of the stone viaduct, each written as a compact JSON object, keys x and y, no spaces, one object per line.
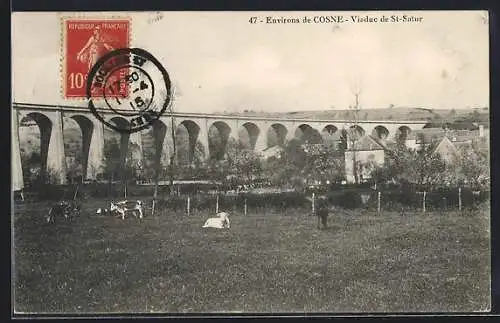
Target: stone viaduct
{"x":260,"y":130}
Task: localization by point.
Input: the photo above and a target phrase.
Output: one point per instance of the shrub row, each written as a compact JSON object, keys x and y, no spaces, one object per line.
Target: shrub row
{"x":350,"y":198}
{"x":276,"y":201}
{"x":397,"y":199}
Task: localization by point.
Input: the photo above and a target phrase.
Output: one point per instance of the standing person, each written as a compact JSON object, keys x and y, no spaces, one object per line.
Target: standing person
{"x":322,"y":212}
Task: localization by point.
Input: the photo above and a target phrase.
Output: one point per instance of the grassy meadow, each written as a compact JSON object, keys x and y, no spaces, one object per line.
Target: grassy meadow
{"x":265,"y":263}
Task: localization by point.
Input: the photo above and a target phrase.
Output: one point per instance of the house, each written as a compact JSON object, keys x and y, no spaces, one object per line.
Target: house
{"x":314,"y":149}
{"x":274,"y":151}
{"x":416,"y":139}
{"x":447,"y":141}
{"x":368,"y":149}
{"x":447,"y":150}
{"x":332,"y":140}
{"x":426,"y":136}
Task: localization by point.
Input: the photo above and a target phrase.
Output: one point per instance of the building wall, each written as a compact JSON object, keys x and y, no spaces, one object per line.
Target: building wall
{"x":412,"y":143}
{"x":362,"y":156}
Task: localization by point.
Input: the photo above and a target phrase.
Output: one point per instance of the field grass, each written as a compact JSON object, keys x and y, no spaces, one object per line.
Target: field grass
{"x":264,"y":263}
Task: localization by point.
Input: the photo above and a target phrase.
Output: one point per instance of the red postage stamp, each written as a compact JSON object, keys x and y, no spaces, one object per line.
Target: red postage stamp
{"x":85,"y":41}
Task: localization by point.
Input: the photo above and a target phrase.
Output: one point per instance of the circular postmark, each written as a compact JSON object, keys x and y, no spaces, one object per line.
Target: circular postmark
{"x":128,"y":89}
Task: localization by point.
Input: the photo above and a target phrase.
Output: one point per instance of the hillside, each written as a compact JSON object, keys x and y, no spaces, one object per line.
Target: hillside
{"x":395,"y":113}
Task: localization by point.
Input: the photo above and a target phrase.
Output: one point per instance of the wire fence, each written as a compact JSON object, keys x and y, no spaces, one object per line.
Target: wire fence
{"x":193,"y":202}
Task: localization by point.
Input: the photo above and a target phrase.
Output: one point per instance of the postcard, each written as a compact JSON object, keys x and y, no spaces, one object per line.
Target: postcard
{"x":250,"y":162}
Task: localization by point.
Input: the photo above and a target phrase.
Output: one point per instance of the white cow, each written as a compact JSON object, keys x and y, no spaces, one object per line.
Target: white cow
{"x":219,"y":222}
{"x":123,"y":207}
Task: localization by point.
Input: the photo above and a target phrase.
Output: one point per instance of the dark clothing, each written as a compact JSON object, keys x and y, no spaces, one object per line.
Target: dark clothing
{"x":322,"y":212}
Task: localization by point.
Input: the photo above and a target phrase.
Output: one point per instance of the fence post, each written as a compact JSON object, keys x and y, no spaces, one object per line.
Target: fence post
{"x":245,"y":206}
{"x":217,"y":204}
{"x":460,"y":199}
{"x":423,"y":201}
{"x":76,"y":192}
{"x":188,"y":205}
{"x":378,"y":201}
{"x":313,"y":201}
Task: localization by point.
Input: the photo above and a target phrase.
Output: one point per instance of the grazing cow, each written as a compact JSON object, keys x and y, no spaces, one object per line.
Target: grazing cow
{"x":124,"y":207}
{"x":63,"y":209}
{"x":221,"y":221}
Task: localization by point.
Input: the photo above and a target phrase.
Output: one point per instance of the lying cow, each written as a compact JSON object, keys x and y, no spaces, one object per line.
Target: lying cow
{"x":123,"y":207}
{"x":64,"y":209}
{"x":221,"y":221}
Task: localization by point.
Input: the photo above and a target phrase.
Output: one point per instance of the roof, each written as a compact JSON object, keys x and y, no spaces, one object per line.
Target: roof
{"x":389,"y":144}
{"x":445,"y":143}
{"x":437,"y":134}
{"x":368,"y":142}
{"x":465,"y":125}
{"x":271,"y":151}
{"x":335,"y":136}
{"x":428,"y":134}
{"x":462,"y":135}
{"x":313,"y":149}
{"x":455,"y":125}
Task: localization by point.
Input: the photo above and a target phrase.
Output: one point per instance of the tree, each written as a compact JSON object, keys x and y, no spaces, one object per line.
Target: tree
{"x":52,"y":176}
{"x":242,"y":163}
{"x":352,"y":132}
{"x":131,"y":162}
{"x":112,"y":159}
{"x":470,"y":168}
{"x":285,"y":169}
{"x":324,"y":165}
{"x":197,"y":168}
{"x":272,"y":168}
{"x":218,"y":169}
{"x":423,"y":166}
{"x":198,"y":163}
{"x":294,"y":154}
{"x":402,"y":164}
{"x":74,"y":171}
{"x":31,"y":163}
{"x":396,"y":163}
{"x":116,"y":166}
{"x":146,"y":168}
{"x":476,"y":115}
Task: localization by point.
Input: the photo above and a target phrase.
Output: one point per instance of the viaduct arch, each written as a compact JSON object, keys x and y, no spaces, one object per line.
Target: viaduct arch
{"x":207,"y":134}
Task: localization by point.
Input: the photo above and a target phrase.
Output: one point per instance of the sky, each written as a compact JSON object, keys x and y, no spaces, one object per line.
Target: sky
{"x":219,"y":62}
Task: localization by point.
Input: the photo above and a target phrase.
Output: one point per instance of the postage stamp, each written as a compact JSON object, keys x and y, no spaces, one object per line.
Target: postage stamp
{"x":84,"y":42}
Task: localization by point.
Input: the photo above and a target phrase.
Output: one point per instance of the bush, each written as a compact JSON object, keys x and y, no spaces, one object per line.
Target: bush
{"x":348,"y":198}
